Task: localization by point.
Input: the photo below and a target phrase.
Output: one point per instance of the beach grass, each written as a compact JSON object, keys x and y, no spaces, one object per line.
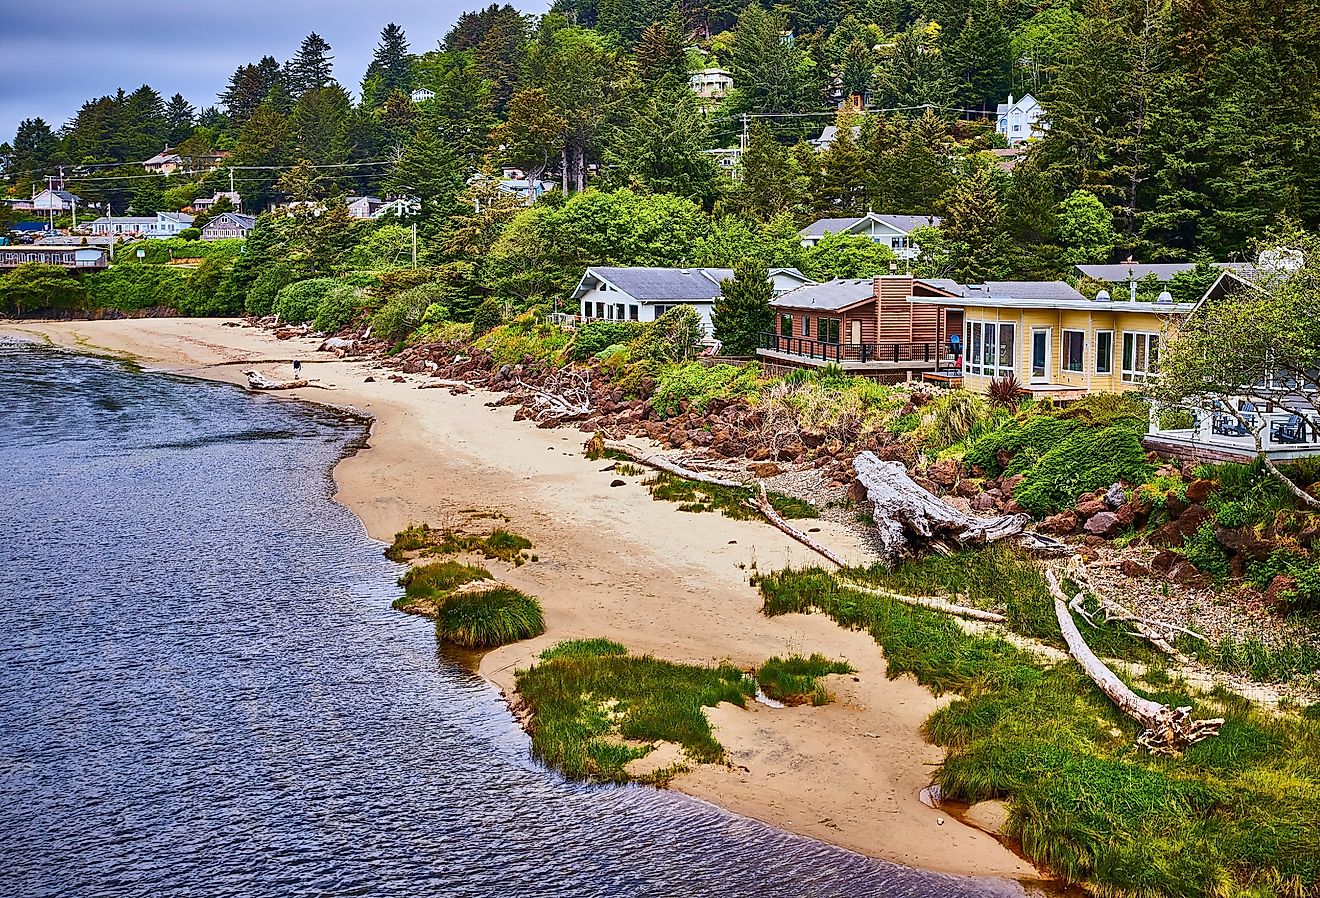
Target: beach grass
{"x":595,"y":708}
{"x":489,"y":618}
{"x":795,"y":680}
{"x":423,"y":539}
{"x":732,"y":502}
{"x":427,"y":586}
{"x":1235,"y":816}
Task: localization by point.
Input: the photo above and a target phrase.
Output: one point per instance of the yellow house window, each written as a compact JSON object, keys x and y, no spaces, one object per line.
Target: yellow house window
{"x":1141,"y":353}
{"x":1104,"y":352}
{"x":991,"y":348}
{"x":1074,"y":351}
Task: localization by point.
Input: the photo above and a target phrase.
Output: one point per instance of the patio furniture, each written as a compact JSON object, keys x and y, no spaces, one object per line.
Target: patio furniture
{"x":1293,"y":430}
{"x":1225,"y":426}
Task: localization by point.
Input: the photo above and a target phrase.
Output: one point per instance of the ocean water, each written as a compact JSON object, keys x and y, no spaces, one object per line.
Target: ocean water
{"x":204,"y":691}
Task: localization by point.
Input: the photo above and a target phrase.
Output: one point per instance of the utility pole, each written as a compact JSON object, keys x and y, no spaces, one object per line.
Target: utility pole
{"x":414,"y":236}
{"x":231,"y":179}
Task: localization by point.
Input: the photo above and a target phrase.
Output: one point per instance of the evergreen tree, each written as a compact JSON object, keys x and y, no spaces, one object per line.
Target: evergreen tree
{"x":771,"y":74}
{"x":1086,"y":228}
{"x":390,"y":69}
{"x":857,"y":73}
{"x":660,"y":149}
{"x":500,"y":54}
{"x":741,"y":313}
{"x":918,"y":173}
{"x":311,"y":68}
{"x":320,"y":120}
{"x":979,"y":60}
{"x":179,"y":119}
{"x":768,"y":182}
{"x":249,"y":87}
{"x":428,"y":168}
{"x":35,"y":148}
{"x":148,"y":197}
{"x":533,"y":133}
{"x":144,"y":130}
{"x":973,"y":229}
{"x":844,"y":176}
{"x":662,"y":53}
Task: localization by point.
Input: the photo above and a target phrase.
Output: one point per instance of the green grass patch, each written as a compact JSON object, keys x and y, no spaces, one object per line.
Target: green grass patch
{"x":795,"y":680}
{"x":730,"y":501}
{"x":595,"y":708}
{"x":490,"y":618}
{"x":1253,"y":658}
{"x":426,"y":586}
{"x":1235,"y":816}
{"x":423,"y":539}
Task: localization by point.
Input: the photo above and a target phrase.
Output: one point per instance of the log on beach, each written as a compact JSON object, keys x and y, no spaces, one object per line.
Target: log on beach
{"x":259,"y":381}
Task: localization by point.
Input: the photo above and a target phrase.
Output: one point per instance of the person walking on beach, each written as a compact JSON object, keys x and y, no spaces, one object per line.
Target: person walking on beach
{"x":297,"y":370}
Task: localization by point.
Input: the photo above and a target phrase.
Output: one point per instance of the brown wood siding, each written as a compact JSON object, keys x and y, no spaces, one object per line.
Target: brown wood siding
{"x":893,"y":309}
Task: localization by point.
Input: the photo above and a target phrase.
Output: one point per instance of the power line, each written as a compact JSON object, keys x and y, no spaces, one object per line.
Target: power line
{"x":210,"y":171}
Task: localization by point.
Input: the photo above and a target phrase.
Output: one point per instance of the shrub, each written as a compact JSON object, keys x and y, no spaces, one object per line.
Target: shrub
{"x":523,"y":337}
{"x":594,"y":337}
{"x":260,"y":298}
{"x":486,"y":318}
{"x":1025,"y":440}
{"x":131,"y":288}
{"x":1176,"y":419}
{"x":338,"y":308}
{"x":699,"y":384}
{"x":795,"y":680}
{"x":1109,"y":409}
{"x":490,"y":618}
{"x":1204,"y":551}
{"x":1004,"y":392}
{"x":675,"y":336}
{"x":1083,"y":461}
{"x":190,"y":234}
{"x":405,"y":311}
{"x":299,"y":302}
{"x":954,"y":417}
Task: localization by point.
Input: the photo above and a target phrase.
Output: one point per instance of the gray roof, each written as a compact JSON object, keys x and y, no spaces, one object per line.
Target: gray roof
{"x":1136,"y":271}
{"x":1050,"y":290}
{"x":904,"y":223}
{"x":238,"y":218}
{"x":659,"y":284}
{"x":831,"y":296}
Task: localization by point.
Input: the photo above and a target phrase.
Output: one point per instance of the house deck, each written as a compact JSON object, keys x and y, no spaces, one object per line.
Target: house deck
{"x":1201,"y":442}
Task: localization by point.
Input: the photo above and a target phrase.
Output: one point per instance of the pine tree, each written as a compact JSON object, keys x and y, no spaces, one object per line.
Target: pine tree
{"x":179,"y":116}
{"x":767,"y":183}
{"x":390,"y":69}
{"x":742,"y":312}
{"x":148,"y":198}
{"x":660,"y":150}
{"x":857,"y":74}
{"x":500,"y":55}
{"x":772,"y":75}
{"x":973,"y":228}
{"x":979,"y":61}
{"x":662,"y":53}
{"x":311,"y":68}
{"x":919,"y":171}
{"x":844,"y":177}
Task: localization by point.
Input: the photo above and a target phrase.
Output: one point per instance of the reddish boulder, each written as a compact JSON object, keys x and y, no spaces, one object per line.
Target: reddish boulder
{"x":1010,"y":484}
{"x":857,"y":492}
{"x":967,"y":489}
{"x":1244,"y":541}
{"x":1199,"y":490}
{"x":1089,"y":506}
{"x":1133,"y":568}
{"x":944,"y":473}
{"x":1164,"y":561}
{"x":1061,"y":524}
{"x":983,"y":502}
{"x":1175,"y":505}
{"x":766,"y":469}
{"x":1104,"y":524}
{"x":1280,"y":591}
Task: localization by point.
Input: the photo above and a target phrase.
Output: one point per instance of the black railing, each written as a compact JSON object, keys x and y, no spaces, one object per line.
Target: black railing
{"x":895,"y":353}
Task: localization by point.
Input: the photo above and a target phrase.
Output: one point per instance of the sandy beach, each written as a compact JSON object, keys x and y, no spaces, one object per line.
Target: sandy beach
{"x":615,"y":563}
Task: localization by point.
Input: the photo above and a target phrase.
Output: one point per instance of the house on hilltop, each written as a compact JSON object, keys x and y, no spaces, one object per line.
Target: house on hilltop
{"x":893,"y":231}
{"x":57,"y":201}
{"x":711,"y":84}
{"x":644,"y":294}
{"x":229,"y":225}
{"x":1021,"y":120}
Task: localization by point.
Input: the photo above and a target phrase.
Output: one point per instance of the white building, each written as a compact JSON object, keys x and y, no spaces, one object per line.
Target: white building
{"x":893,"y":231}
{"x":201,"y":204}
{"x":363,"y":206}
{"x":422,"y":94}
{"x":1021,"y":120}
{"x":644,"y":294}
{"x":159,"y":226}
{"x":54,"y":200}
{"x":711,"y":84}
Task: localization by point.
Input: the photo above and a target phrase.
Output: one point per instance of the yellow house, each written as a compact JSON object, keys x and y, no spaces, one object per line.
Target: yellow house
{"x":1054,"y":340}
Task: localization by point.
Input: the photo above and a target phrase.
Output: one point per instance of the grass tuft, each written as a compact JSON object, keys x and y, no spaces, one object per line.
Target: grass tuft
{"x":426,"y":586}
{"x":423,"y":539}
{"x":795,"y":680}
{"x":694,"y":496}
{"x":490,"y":618}
{"x":596,"y":708}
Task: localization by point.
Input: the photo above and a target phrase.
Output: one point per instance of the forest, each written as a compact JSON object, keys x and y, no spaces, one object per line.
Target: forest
{"x":1177,"y":131}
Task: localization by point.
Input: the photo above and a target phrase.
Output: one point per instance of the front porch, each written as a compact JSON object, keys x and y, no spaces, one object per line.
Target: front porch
{"x":1216,"y":436}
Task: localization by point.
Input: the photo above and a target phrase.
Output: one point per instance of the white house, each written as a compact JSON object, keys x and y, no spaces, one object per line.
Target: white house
{"x":829,"y":132}
{"x":1021,"y":120}
{"x":711,"y":84}
{"x":201,"y":204}
{"x":54,"y":200}
{"x":422,"y":94}
{"x":644,"y":294}
{"x":363,"y":206}
{"x":166,"y":162}
{"x":159,"y":226}
{"x":228,"y":225}
{"x":892,"y":231}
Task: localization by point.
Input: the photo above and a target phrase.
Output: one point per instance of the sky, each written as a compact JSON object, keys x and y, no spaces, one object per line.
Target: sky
{"x":51,"y":64}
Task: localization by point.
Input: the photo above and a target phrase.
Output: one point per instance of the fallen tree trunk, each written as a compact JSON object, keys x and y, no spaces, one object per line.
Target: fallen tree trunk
{"x":259,"y":381}
{"x":599,"y":446}
{"x":567,"y":396}
{"x":908,"y":516}
{"x":1158,"y":633}
{"x":763,"y":505}
{"x":1168,"y":731}
{"x":439,"y":384}
{"x":932,"y":603}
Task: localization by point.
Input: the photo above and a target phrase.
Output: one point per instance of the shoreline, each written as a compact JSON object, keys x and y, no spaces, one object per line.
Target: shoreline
{"x":616,"y":563}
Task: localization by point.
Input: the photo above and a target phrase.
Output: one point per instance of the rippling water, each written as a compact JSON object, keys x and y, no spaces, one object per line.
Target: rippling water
{"x":203,"y":689}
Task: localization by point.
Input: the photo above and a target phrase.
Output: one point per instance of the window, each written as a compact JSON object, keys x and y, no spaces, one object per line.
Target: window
{"x":806,"y":325}
{"x":1141,"y":352}
{"x":1104,"y":352}
{"x":600,"y":310}
{"x":1074,"y":351}
{"x":632,"y":313}
{"x":827,"y":330}
{"x":991,"y":348}
{"x":661,"y":308}
{"x":785,"y":325}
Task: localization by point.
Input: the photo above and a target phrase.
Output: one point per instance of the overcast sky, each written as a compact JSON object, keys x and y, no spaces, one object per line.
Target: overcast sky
{"x":54,"y":59}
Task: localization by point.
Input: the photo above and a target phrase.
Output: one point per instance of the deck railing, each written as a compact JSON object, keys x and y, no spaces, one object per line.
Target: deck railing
{"x":895,"y":353}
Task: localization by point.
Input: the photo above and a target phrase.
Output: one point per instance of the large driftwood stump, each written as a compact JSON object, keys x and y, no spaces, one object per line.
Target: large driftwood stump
{"x":1168,"y":731}
{"x":908,"y":517}
{"x":259,"y":381}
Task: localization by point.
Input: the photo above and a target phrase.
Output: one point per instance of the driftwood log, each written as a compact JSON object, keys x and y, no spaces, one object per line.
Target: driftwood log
{"x":763,"y":505}
{"x":259,"y":381}
{"x":908,"y":517}
{"x":1158,"y":633}
{"x":566,"y":396}
{"x":598,"y":445}
{"x":1168,"y":731}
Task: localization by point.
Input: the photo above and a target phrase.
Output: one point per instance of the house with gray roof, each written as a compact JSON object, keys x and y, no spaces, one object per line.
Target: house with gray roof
{"x":159,"y":226}
{"x":893,"y":231}
{"x":1125,"y":272}
{"x":228,"y":226}
{"x":644,"y":294}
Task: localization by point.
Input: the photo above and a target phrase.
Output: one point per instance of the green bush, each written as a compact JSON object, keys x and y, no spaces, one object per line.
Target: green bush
{"x":673,"y":337}
{"x":524,"y":337}
{"x":159,"y":252}
{"x":699,"y":384}
{"x":405,"y":311}
{"x":594,"y":337}
{"x":1026,"y":440}
{"x":1204,"y":551}
{"x":190,"y":234}
{"x":260,"y":297}
{"x":131,"y":288}
{"x":338,"y":308}
{"x":1304,"y":571}
{"x":795,"y":680}
{"x":490,"y":618}
{"x":300,"y":302}
{"x":486,"y":318}
{"x":1081,"y":462}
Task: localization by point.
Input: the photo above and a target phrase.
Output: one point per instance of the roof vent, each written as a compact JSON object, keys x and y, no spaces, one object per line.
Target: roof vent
{"x":1165,"y":297}
{"x":1103,"y":296}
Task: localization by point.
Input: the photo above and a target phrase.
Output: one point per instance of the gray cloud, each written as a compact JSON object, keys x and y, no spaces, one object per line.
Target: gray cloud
{"x":51,"y":64}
